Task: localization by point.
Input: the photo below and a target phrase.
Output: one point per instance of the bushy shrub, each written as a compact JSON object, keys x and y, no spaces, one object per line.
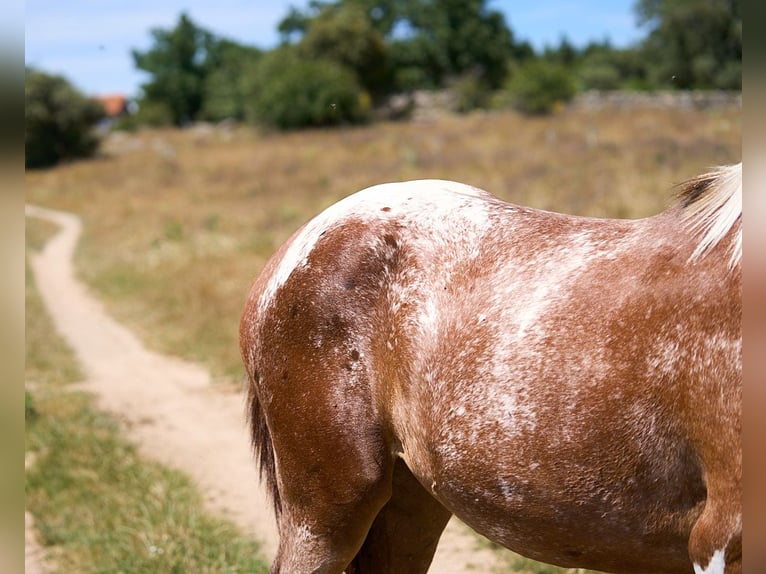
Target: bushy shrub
{"x":470,"y":93}
{"x":291,"y":92}
{"x":598,"y":72}
{"x":537,"y":86}
{"x":225,"y":95}
{"x":729,"y":77}
{"x":345,"y":34}
{"x":59,"y":120}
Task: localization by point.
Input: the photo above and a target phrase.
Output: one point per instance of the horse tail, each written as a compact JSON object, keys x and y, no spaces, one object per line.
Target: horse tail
{"x":262,"y":445}
{"x":712,"y":206}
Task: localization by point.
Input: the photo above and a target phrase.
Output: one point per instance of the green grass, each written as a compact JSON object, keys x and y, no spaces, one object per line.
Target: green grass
{"x":98,"y":506}
{"x":104,"y":509}
{"x":50,"y":363}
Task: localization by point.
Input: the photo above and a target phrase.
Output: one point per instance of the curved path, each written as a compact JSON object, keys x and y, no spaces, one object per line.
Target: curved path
{"x":171,"y":410}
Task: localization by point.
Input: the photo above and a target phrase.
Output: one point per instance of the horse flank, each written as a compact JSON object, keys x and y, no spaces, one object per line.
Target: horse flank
{"x":709,"y":210}
{"x":712,"y":206}
{"x":711,"y":203}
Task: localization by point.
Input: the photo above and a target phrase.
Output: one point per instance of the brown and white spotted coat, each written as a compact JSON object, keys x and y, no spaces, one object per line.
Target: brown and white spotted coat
{"x":569,"y":387}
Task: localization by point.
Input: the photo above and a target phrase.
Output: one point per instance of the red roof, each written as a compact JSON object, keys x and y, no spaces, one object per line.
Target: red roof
{"x":114,"y":104}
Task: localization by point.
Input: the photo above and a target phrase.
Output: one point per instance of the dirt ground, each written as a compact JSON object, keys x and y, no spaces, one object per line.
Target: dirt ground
{"x":173,"y":413}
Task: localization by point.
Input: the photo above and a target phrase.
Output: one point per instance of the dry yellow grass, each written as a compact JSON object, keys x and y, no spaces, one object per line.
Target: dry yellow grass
{"x":178,"y":223}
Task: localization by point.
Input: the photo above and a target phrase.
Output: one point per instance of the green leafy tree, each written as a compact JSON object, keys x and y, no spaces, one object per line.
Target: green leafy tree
{"x":565,"y":53}
{"x":59,"y":120}
{"x":456,"y":37}
{"x":428,"y":42}
{"x":293,"y":26}
{"x":537,"y":86}
{"x":383,"y":14}
{"x":599,"y":66}
{"x":225,"y":89}
{"x":693,"y":43}
{"x":344,"y":33}
{"x":288,"y":91}
{"x":178,"y":62}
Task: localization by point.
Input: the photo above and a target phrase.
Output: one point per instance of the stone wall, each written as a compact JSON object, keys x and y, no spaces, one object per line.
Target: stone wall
{"x":664,"y":99}
{"x":425,"y":105}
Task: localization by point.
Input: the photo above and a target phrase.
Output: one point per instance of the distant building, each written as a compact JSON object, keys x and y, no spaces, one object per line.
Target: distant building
{"x":116,"y":106}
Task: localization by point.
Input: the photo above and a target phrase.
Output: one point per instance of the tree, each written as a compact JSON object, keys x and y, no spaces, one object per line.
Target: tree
{"x":294,"y":25}
{"x":59,"y":120}
{"x":458,"y":37}
{"x":565,"y":54}
{"x":344,"y":33}
{"x":693,"y":44}
{"x":178,"y":62}
{"x":600,"y":66}
{"x":225,"y":91}
{"x":429,"y":42}
{"x":383,"y":14}
{"x":288,"y":91}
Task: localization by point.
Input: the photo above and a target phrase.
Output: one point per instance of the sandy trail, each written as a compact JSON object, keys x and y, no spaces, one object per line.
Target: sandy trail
{"x":171,"y":410}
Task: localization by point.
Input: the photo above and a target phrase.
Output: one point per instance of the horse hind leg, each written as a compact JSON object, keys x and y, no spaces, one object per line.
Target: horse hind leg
{"x":405,"y":533}
{"x":324,"y":516}
{"x":390,"y":525}
{"x":331,"y":466}
{"x":715,"y":543}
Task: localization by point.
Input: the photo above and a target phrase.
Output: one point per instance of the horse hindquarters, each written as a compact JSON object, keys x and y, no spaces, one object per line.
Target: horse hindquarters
{"x":308,"y":338}
{"x":329,"y":473}
{"x":343,"y":501}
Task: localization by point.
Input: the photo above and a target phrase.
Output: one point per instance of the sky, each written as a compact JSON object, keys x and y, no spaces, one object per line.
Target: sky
{"x":90,"y":41}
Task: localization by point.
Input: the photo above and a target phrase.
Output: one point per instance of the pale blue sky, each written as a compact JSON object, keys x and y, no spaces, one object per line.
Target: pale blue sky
{"x":89,"y":41}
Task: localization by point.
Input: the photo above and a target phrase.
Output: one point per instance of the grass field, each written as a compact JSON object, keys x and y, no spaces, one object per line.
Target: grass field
{"x":178,"y":223}
{"x":98,"y":506}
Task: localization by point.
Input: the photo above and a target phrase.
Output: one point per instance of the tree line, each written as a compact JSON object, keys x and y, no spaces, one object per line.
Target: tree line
{"x":339,"y":60}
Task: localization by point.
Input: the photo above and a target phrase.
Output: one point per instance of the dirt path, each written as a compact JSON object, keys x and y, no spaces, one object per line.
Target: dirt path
{"x":171,"y":410}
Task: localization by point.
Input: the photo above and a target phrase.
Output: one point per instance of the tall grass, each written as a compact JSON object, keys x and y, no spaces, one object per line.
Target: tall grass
{"x":97,"y":505}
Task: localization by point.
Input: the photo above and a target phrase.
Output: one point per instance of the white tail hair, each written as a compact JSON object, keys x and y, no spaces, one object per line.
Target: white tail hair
{"x":712,"y":205}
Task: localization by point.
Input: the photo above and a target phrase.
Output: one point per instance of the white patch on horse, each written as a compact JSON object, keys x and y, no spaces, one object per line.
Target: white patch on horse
{"x":436,"y":199}
{"x":519,"y":415}
{"x":507,"y":490}
{"x":555,"y":271}
{"x":664,"y":361}
{"x":717,"y":565}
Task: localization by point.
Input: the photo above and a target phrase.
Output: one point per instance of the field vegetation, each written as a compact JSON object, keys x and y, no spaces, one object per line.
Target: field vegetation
{"x":177,"y":223}
{"x":342,"y":62}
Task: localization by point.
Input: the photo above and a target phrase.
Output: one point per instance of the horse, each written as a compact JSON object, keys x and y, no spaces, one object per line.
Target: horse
{"x":569,"y":387}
